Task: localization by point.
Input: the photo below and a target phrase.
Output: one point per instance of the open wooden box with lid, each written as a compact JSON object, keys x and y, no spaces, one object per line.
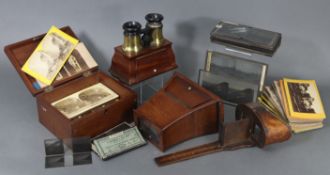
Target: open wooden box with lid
{"x":89,"y":123}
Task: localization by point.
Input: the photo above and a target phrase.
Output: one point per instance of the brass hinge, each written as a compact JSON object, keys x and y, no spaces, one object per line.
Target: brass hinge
{"x":87,"y":73}
{"x":49,"y":89}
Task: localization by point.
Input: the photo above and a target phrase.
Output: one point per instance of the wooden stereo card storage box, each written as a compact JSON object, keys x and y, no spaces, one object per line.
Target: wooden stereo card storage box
{"x":91,"y":122}
{"x":180,"y":111}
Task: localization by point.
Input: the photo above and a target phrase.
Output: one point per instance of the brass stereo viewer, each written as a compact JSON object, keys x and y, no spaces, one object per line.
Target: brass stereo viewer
{"x":145,"y":52}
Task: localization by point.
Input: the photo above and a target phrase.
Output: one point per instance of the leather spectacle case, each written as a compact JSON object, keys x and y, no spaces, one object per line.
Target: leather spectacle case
{"x":254,"y":126}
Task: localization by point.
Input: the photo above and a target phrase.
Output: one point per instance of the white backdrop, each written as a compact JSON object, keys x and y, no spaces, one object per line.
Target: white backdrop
{"x":304,"y":25}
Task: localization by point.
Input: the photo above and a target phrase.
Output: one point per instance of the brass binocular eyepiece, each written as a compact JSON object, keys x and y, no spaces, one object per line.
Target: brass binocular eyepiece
{"x":132,"y":39}
{"x":136,"y":38}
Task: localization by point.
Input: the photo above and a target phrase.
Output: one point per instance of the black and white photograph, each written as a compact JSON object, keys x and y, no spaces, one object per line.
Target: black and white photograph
{"x":304,"y":98}
{"x":80,"y":60}
{"x":50,"y":55}
{"x":234,"y":79}
{"x":84,"y":100}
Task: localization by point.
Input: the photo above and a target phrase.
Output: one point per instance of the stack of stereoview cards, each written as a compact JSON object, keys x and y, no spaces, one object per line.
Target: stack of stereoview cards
{"x":80,"y":60}
{"x":295,"y":101}
{"x":57,"y":57}
{"x":122,"y":138}
{"x":47,"y":60}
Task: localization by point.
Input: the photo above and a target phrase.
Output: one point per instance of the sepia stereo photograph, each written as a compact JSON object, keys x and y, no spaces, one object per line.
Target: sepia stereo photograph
{"x":84,"y":100}
{"x":50,"y":56}
{"x":303,"y":97}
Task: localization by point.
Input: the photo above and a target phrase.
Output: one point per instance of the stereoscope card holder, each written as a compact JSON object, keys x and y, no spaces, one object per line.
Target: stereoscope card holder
{"x":234,"y":79}
{"x":89,"y":123}
{"x":230,"y":72}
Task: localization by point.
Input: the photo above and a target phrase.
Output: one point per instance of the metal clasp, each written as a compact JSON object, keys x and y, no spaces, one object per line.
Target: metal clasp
{"x":87,"y":73}
{"x":49,"y":89}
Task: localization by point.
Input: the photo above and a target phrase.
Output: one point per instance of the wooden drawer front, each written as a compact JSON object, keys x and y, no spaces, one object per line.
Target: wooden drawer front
{"x":149,"y":66}
{"x":187,"y":94}
{"x":149,"y":131}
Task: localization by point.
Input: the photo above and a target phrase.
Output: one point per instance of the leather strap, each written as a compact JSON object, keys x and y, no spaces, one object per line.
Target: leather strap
{"x":254,"y":126}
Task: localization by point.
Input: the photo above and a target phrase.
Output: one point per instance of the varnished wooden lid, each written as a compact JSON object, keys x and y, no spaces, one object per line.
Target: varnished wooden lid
{"x":19,"y":52}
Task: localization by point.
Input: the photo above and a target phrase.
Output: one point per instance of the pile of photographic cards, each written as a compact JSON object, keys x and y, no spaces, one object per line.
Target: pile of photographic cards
{"x":122,"y":138}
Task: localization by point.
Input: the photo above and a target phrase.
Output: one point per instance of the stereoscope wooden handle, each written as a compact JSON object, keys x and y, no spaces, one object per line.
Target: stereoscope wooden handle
{"x":254,"y":126}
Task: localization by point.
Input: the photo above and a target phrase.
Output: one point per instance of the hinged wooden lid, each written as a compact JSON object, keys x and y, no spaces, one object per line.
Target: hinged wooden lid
{"x":20,"y":51}
{"x":179,"y":98}
{"x":189,"y":93}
